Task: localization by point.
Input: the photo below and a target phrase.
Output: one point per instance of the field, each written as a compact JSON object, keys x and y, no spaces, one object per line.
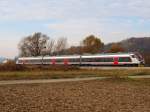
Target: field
{"x":111,"y":95}
{"x":75,"y":73}
{"x":116,"y":94}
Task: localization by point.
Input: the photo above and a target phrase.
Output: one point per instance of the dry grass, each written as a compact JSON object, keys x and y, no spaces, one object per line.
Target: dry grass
{"x":57,"y":74}
{"x":11,"y":71}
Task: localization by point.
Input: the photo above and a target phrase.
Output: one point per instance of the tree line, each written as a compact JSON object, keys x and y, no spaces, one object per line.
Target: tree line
{"x":39,"y":44}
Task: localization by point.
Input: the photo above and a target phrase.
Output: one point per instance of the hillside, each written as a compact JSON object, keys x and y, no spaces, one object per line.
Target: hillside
{"x":133,"y":44}
{"x":140,"y":44}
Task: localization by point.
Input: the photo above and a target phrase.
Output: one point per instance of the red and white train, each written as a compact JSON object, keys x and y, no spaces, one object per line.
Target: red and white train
{"x":108,"y":59}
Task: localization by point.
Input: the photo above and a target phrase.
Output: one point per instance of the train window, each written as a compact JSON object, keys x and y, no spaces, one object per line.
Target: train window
{"x":108,"y":60}
{"x":60,"y":60}
{"x":124,"y":59}
{"x":138,"y":56}
{"x":87,"y":59}
{"x":35,"y":61}
{"x":97,"y":60}
{"x":133,"y":56}
{"x":24,"y":61}
{"x":47,"y":60}
{"x":84,"y":59}
{"x":29,"y":61}
{"x":104,"y":60}
{"x":20,"y":61}
{"x":38,"y":60}
{"x":74,"y":60}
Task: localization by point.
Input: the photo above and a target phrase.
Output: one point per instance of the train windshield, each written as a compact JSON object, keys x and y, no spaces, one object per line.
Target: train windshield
{"x":138,"y":56}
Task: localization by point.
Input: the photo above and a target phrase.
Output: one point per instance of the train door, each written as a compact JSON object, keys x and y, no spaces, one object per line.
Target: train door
{"x":53,"y":61}
{"x":65,"y":61}
{"x":116,"y":59}
{"x":24,"y":62}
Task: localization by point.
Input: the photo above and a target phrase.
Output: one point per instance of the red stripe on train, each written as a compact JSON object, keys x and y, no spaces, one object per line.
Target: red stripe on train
{"x":53,"y":61}
{"x":116,"y":60}
{"x":65,"y":61}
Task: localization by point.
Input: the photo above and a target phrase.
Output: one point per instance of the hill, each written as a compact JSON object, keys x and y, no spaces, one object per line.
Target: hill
{"x":135,"y":44}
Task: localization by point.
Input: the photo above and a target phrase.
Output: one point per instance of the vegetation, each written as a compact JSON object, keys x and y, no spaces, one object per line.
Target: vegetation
{"x":40,"y":44}
{"x":92,"y":44}
{"x":141,"y":45}
{"x":12,"y":71}
{"x":33,"y":45}
{"x":11,"y":66}
{"x":116,"y":48}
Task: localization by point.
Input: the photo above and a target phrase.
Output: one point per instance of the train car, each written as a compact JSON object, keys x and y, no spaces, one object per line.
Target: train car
{"x":115,"y":59}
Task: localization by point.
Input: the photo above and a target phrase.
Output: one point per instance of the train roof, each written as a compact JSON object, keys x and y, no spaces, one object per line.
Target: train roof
{"x":109,"y":55}
{"x":78,"y":56}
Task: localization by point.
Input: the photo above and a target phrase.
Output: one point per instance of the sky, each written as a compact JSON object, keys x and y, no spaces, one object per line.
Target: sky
{"x":110,"y":20}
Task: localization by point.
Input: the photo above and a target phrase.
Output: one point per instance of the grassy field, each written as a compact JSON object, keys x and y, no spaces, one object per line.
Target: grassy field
{"x":80,"y":73}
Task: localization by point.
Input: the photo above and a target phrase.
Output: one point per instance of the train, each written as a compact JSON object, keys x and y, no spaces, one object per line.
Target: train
{"x":105,"y":59}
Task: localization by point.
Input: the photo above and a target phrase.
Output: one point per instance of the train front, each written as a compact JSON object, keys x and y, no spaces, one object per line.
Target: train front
{"x":140,"y":58}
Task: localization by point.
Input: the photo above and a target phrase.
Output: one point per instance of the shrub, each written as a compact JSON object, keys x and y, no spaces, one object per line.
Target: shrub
{"x":51,"y":67}
{"x":11,"y":66}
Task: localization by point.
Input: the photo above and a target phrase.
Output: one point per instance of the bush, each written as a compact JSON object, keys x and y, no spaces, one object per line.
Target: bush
{"x":51,"y":67}
{"x":11,"y":66}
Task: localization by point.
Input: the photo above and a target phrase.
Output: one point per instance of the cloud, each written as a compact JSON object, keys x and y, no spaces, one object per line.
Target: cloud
{"x":111,"y":20}
{"x":66,"y":9}
{"x":107,"y":29}
{"x":25,"y":10}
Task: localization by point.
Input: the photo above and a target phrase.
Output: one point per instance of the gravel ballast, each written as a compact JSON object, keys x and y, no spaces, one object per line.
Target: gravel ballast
{"x":86,"y":96}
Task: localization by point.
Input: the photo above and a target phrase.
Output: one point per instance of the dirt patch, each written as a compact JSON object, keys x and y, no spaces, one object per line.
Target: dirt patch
{"x":112,"y":95}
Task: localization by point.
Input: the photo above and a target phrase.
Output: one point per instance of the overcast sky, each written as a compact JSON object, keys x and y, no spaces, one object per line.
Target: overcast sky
{"x":111,"y":20}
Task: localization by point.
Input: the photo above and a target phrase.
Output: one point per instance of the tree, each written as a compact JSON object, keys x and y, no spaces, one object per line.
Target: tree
{"x":60,"y":45}
{"x":33,"y":45}
{"x":75,"y":50}
{"x":116,"y":48}
{"x":92,"y":44}
{"x":50,"y":47}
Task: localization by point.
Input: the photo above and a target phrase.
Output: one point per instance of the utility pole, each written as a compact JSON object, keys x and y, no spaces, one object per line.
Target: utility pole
{"x":43,"y":54}
{"x":80,"y":54}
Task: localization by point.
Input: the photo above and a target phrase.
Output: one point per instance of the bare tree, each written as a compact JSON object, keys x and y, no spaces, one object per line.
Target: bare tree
{"x":50,"y":46}
{"x":33,"y":45}
{"x":60,"y":45}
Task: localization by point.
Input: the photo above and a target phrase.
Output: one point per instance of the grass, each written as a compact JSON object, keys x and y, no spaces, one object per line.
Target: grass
{"x":81,"y":73}
{"x":137,"y":82}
